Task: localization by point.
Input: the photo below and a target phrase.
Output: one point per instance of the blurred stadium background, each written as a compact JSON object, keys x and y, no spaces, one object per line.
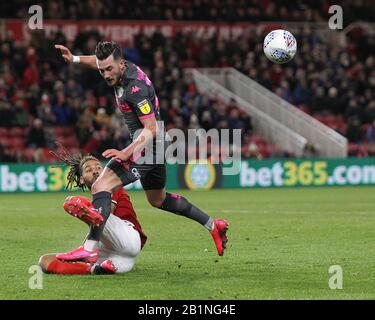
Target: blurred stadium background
{"x":331,"y":79}
{"x":310,"y":122}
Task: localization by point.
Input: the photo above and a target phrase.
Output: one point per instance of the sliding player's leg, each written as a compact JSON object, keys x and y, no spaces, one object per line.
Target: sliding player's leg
{"x":113,"y":176}
{"x":83,"y":209}
{"x":119,"y":236}
{"x":120,"y":244}
{"x":50,"y":264}
{"x":111,"y":262}
{"x":101,"y":191}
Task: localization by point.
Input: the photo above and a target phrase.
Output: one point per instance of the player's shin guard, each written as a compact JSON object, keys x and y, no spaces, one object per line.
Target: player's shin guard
{"x":102,"y":203}
{"x":60,"y":267}
{"x":181,"y":206}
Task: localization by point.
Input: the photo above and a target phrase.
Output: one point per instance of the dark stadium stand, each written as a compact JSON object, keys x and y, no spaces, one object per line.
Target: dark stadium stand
{"x":335,"y":85}
{"x":198,"y":10}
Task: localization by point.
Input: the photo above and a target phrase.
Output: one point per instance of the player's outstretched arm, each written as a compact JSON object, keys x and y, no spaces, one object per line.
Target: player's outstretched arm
{"x":89,"y":61}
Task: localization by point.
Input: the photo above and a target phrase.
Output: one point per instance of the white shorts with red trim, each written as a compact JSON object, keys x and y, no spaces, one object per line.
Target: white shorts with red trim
{"x":120,"y":243}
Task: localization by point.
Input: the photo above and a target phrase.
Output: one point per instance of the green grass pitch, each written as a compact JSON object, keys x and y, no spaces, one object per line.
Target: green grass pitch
{"x":281,"y":245}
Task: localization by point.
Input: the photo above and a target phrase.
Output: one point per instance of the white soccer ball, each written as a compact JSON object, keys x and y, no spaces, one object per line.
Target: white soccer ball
{"x":280,"y":46}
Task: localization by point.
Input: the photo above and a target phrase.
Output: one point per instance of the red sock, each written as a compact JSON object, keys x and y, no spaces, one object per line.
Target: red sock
{"x":60,"y":267}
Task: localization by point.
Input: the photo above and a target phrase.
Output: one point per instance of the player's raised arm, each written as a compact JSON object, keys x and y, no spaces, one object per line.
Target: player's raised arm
{"x":89,"y":61}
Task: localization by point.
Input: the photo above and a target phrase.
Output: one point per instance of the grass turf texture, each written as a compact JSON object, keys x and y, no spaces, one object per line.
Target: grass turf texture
{"x":282,"y":242}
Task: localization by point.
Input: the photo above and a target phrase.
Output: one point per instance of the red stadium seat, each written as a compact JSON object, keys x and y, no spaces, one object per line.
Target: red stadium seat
{"x":4,"y":132}
{"x":59,"y":131}
{"x":28,"y":154}
{"x":319,"y":117}
{"x":17,"y":143}
{"x":264,"y":151}
{"x":69,"y":141}
{"x":47,"y":157}
{"x":75,"y":151}
{"x":5,"y":141}
{"x":260,"y":142}
{"x":17,"y":132}
{"x":64,"y":131}
{"x":69,"y":131}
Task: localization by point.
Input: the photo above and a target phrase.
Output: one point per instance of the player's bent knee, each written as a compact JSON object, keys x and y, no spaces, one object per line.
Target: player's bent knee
{"x":97,"y":187}
{"x":42,"y":263}
{"x":124,"y":268}
{"x":45,"y":260}
{"x":123,"y":264}
{"x":108,"y":182}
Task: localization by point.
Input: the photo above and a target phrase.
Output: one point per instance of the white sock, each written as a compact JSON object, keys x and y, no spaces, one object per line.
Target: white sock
{"x":209,"y":224}
{"x":90,"y":245}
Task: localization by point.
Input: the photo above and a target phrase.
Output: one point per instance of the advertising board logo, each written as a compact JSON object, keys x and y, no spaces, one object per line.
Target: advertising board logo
{"x":200,"y":176}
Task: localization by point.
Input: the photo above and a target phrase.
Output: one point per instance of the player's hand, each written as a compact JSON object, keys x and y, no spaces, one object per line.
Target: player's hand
{"x":115,"y":154}
{"x":65,"y":52}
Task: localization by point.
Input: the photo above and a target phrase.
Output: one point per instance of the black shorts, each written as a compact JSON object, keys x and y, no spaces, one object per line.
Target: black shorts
{"x":152,"y":176}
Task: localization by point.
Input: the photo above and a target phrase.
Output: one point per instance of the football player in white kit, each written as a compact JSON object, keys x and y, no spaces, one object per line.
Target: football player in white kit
{"x":122,"y":238}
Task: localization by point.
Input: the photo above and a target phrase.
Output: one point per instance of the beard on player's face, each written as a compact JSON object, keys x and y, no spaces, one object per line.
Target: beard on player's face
{"x":112,"y":80}
{"x":90,"y":181}
{"x":112,"y":77}
{"x":90,"y":172}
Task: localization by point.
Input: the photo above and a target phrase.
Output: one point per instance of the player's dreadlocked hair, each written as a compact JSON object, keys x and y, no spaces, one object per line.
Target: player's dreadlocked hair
{"x":76,"y":163}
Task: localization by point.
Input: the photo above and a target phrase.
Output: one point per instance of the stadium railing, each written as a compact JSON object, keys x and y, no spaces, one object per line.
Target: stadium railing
{"x":327,"y":141}
{"x":264,"y":125}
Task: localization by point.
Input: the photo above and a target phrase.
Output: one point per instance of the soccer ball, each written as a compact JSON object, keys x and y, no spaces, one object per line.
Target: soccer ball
{"x":280,"y":46}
